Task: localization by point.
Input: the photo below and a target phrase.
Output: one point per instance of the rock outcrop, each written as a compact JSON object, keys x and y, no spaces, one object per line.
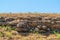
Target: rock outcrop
{"x":31,"y":23}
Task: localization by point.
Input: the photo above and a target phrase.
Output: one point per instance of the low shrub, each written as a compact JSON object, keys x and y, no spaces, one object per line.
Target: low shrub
{"x":1,"y":34}
{"x":56,"y":33}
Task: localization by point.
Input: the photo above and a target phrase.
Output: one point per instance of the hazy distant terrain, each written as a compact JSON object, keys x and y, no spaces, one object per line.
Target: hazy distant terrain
{"x":29,"y":14}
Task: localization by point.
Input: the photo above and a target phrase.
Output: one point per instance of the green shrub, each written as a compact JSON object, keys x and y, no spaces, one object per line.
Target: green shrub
{"x":14,"y":28}
{"x":8,"y":28}
{"x":1,"y":34}
{"x":56,"y":33}
{"x":31,"y":30}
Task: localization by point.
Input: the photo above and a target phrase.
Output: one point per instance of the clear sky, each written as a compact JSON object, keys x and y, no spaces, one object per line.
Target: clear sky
{"x":30,"y":6}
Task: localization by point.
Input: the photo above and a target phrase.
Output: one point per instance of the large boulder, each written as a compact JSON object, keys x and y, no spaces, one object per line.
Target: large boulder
{"x":43,"y":28}
{"x":22,"y":26}
{"x":2,"y":19}
{"x":32,"y":23}
{"x":10,"y":19}
{"x":55,"y":26}
{"x":3,"y":23}
{"x":12,"y":23}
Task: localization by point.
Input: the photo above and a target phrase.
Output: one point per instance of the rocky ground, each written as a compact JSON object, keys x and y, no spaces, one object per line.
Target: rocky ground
{"x":10,"y":24}
{"x":14,"y":35}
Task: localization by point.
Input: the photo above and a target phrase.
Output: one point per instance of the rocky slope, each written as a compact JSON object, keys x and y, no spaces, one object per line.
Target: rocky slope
{"x":28,"y":22}
{"x":29,"y":26}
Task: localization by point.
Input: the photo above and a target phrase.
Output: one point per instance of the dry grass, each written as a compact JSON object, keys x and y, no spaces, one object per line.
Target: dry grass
{"x":25,"y":15}
{"x":13,"y":35}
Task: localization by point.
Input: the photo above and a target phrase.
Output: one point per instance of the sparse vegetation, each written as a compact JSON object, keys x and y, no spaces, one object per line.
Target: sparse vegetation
{"x":10,"y":33}
{"x":57,"y":33}
{"x":1,"y":34}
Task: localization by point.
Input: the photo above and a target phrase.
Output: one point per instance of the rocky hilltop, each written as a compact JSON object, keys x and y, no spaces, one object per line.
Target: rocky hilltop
{"x":28,"y":22}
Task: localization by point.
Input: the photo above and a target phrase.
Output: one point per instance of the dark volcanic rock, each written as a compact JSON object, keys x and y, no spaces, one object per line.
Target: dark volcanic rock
{"x":22,"y":26}
{"x":2,"y":19}
{"x":27,"y":23}
{"x":10,"y":19}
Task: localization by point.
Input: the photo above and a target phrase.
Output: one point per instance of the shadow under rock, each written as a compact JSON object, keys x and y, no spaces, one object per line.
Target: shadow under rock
{"x":24,"y":33}
{"x":46,"y":33}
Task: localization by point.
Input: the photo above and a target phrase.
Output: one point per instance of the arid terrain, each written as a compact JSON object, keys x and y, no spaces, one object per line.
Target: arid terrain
{"x":29,"y":26}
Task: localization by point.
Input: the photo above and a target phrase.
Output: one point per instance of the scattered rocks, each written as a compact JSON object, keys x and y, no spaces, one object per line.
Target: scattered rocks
{"x":28,"y":23}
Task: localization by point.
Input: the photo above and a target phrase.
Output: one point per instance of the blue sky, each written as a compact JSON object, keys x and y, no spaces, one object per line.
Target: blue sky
{"x":30,"y":6}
